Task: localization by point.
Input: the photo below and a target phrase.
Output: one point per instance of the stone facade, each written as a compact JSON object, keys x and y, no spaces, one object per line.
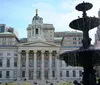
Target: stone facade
{"x":36,"y":57}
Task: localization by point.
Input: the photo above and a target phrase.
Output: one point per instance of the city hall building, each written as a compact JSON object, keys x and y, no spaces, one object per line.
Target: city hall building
{"x":36,"y":57}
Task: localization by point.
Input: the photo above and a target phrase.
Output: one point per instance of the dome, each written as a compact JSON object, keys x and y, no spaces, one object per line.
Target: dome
{"x":37,"y":18}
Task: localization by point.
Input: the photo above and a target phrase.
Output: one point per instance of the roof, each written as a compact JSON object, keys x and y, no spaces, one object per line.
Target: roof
{"x":7,"y":33}
{"x":61,"y":34}
{"x":48,"y":26}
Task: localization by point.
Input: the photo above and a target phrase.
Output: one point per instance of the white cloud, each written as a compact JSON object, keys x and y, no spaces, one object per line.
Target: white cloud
{"x":61,"y":19}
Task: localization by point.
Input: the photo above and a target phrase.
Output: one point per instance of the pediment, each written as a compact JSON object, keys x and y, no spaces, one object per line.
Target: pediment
{"x":39,"y":44}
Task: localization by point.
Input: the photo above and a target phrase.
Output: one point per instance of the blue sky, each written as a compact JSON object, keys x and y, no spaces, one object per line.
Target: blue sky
{"x":19,"y":13}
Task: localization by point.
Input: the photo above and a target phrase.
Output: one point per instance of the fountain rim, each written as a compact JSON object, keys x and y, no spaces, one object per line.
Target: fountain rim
{"x":80,"y":8}
{"x":97,"y":20}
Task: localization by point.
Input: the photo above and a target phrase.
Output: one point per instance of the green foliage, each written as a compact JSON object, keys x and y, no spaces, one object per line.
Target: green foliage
{"x":16,"y":84}
{"x":66,"y":83}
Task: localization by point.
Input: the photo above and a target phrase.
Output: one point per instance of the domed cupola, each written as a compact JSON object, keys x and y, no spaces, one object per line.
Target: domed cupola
{"x":35,"y":30}
{"x":37,"y":19}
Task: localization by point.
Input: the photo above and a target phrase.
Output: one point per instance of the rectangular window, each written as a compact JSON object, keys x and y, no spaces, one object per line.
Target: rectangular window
{"x":67,"y":73}
{"x":23,"y":60}
{"x":1,"y":61}
{"x":53,"y":62}
{"x":74,"y":74}
{"x":3,"y":41}
{"x":15,"y":74}
{"x":60,"y":73}
{"x":74,"y":42}
{"x":74,"y":38}
{"x":8,"y":54}
{"x":7,"y":74}
{"x":38,"y":63}
{"x":23,"y":73}
{"x":53,"y":73}
{"x":15,"y":62}
{"x":31,"y":63}
{"x":46,"y":63}
{"x":46,"y":74}
{"x":0,"y":74}
{"x":60,"y":63}
{"x":80,"y":73}
{"x":8,"y":62}
{"x":1,"y":54}
{"x":15,"y":54}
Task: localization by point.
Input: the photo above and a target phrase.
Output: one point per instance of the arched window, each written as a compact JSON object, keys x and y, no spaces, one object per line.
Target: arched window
{"x":36,"y":31}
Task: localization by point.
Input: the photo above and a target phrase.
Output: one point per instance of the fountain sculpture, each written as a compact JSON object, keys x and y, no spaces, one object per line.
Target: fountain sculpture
{"x":86,"y":56}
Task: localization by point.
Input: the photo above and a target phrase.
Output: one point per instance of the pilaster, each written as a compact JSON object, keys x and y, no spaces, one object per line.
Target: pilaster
{"x":19,"y":66}
{"x":35,"y":65}
{"x":27,"y":65}
{"x":50,"y":64}
{"x":42,"y":72}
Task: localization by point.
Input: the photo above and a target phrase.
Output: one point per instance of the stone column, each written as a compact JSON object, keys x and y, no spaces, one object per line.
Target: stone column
{"x":35,"y":65}
{"x":19,"y":66}
{"x":27,"y":65}
{"x":50,"y":64}
{"x":42,"y":72}
{"x":57,"y":66}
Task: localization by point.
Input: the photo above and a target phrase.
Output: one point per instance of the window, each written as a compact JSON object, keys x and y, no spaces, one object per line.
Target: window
{"x":74,"y":74}
{"x":79,"y":38}
{"x":0,"y":74}
{"x":53,"y":73}
{"x":80,"y":42}
{"x":46,"y":63}
{"x":3,"y":41}
{"x":80,"y":73}
{"x":67,"y":73}
{"x":31,"y":63}
{"x":53,"y":63}
{"x":60,"y":73}
{"x":46,"y":74}
{"x":60,"y":63}
{"x":36,"y":31}
{"x":1,"y":54}
{"x":8,"y":54}
{"x":15,"y":62}
{"x":1,"y":61}
{"x":15,"y":54}
{"x":38,"y":63}
{"x":8,"y":62}
{"x":23,"y":61}
{"x":74,"y":43}
{"x":23,"y":73}
{"x":15,"y":74}
{"x":7,"y":74}
{"x":74,"y":38}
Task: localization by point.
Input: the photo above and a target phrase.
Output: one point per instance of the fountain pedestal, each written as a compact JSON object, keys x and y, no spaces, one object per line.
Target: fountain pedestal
{"x":89,"y":77}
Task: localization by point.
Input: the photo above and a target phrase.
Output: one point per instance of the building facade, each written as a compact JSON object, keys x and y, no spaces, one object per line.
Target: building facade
{"x":36,"y":57}
{"x":97,"y":45}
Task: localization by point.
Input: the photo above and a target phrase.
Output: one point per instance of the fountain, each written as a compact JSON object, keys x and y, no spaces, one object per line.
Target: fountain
{"x":86,"y":56}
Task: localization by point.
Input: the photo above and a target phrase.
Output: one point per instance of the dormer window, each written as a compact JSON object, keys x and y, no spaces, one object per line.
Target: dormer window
{"x":36,"y":31}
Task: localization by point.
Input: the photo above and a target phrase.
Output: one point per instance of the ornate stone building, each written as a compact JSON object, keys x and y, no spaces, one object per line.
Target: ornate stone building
{"x":36,"y":57}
